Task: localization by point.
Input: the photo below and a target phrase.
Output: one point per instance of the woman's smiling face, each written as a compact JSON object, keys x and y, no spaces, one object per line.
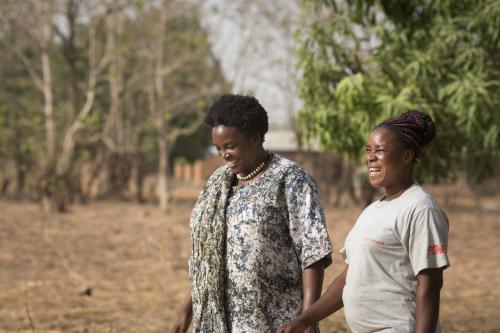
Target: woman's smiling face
{"x":236,"y":148}
{"x":386,"y":159}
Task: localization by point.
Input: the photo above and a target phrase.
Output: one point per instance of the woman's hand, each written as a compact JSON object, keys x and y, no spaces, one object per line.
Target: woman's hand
{"x":294,"y":326}
{"x":329,"y":302}
{"x":310,"y":329}
{"x":185,"y":316}
{"x":182,"y":323}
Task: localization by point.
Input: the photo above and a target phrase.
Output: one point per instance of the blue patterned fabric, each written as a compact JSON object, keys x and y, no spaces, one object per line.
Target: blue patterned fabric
{"x":275,"y":228}
{"x":206,"y":264}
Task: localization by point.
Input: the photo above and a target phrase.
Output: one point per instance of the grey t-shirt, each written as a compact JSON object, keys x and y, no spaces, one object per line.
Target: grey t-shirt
{"x":391,"y":242}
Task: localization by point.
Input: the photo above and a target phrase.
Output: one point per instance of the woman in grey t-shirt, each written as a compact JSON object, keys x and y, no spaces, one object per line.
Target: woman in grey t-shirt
{"x":396,"y":251}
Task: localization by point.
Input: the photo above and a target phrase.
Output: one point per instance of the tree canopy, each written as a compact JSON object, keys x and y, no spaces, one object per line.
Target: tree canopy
{"x":365,"y":61}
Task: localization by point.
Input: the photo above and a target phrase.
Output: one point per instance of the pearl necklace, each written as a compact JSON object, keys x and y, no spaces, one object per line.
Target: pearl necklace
{"x":256,"y":171}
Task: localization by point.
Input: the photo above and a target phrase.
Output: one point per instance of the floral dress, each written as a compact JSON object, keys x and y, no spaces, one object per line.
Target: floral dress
{"x":275,"y":229}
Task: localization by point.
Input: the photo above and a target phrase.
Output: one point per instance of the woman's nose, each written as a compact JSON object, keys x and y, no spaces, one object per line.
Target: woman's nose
{"x":223,"y":154}
{"x":370,"y":155}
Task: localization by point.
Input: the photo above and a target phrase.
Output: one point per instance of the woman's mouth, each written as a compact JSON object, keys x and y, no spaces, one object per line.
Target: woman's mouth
{"x":231,"y":164}
{"x":374,"y":172}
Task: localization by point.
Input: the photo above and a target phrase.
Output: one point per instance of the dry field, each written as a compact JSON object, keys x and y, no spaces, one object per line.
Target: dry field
{"x":122,"y":267}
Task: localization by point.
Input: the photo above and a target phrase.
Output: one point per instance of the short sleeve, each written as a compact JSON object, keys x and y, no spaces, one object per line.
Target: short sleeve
{"x":343,"y":253}
{"x":306,"y":220}
{"x":428,"y":240}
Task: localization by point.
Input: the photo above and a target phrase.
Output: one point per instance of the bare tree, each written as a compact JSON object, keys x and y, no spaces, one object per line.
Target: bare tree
{"x":22,"y":19}
{"x":52,"y":181}
{"x":158,"y":83}
{"x":165,"y":102}
{"x":71,"y":11}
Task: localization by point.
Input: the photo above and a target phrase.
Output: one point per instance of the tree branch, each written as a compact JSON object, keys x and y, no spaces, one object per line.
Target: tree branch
{"x":63,"y":162}
{"x":31,"y":71}
{"x":174,"y":107}
{"x":176,"y":132}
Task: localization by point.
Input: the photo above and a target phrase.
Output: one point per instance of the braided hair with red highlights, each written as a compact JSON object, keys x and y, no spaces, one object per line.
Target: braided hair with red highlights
{"x":415,"y":129}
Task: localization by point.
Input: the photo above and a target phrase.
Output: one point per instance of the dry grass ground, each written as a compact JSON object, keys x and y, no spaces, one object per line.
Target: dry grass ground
{"x":133,"y":261}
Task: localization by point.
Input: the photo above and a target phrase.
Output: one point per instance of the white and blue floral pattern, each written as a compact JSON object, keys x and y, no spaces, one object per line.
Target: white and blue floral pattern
{"x":275,"y":228}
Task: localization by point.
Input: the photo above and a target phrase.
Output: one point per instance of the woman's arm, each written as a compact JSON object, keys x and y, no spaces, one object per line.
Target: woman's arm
{"x":430,"y":282}
{"x":328,"y":303}
{"x":184,"y":318}
{"x":312,"y":283}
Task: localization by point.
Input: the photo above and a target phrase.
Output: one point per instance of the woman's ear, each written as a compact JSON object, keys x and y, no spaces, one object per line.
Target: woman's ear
{"x":258,"y":138}
{"x":408,"y":156}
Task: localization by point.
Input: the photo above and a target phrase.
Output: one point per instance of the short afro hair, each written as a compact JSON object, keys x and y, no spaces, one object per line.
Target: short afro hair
{"x":242,"y":112}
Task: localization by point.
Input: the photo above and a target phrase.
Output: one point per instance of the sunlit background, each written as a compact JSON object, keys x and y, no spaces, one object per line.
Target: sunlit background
{"x":103,"y":149}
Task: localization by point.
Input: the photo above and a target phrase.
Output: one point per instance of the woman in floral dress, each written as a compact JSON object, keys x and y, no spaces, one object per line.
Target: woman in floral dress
{"x":259,"y":240}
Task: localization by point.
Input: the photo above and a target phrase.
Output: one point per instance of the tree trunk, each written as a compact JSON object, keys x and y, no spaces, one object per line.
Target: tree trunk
{"x":62,"y":167}
{"x":48,"y":110}
{"x":21,"y":180}
{"x":163,"y":170}
{"x":118,"y":166}
{"x":71,"y":55}
{"x":52,"y":188}
{"x":161,"y":127}
{"x":94,"y":173}
{"x":21,"y":158}
{"x":49,"y":184}
{"x":115,"y":116}
{"x":138,"y":172}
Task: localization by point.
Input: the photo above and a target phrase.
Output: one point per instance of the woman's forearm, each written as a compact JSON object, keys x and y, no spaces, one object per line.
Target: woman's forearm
{"x":328,"y":303}
{"x":427,"y":301}
{"x":312,"y":283}
{"x":187,"y":306}
{"x":185,"y":315}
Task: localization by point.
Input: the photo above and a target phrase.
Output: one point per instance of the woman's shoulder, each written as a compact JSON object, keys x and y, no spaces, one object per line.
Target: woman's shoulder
{"x":420,"y":202}
{"x":422,"y":198}
{"x":292,"y":174}
{"x":290,"y":169}
{"x":220,"y":173}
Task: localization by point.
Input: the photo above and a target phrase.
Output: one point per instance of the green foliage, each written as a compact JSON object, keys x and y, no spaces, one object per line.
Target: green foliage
{"x":371,"y":60}
{"x":192,"y":147}
{"x":19,"y":114}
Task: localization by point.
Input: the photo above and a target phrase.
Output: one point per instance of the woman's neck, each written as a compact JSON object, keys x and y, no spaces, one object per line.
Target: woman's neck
{"x":266,"y":158}
{"x":261,"y":156}
{"x":395,"y":190}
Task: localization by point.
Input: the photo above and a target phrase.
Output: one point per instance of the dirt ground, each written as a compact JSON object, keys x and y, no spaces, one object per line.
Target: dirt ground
{"x":122,"y":267}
